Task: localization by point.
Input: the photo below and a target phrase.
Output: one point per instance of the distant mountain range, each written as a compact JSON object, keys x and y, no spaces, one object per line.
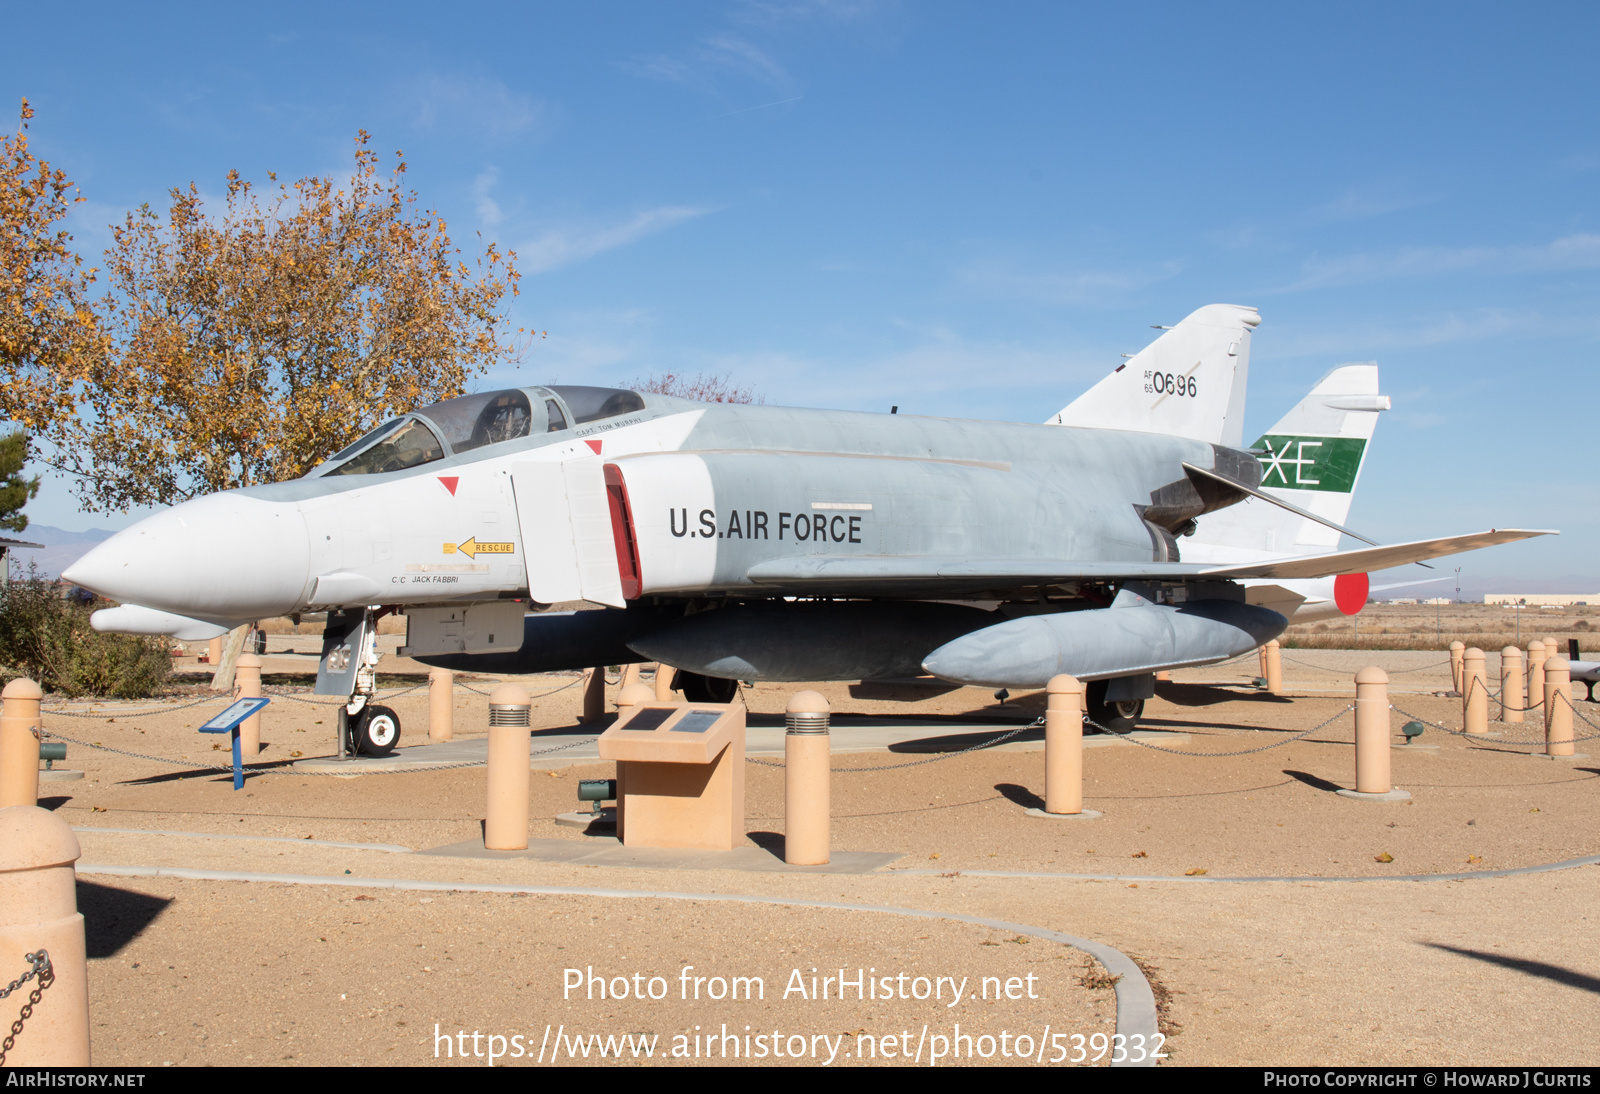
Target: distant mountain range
{"x":61,"y":548}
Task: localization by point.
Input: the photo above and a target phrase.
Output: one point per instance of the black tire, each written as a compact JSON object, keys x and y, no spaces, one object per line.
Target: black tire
{"x":1122,"y":716}
{"x":707,"y":689}
{"x":377,"y":731}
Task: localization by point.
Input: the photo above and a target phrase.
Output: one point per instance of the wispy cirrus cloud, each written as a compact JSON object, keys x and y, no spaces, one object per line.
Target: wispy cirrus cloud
{"x":475,"y":104}
{"x":563,"y":246}
{"x":1062,"y":287}
{"x":715,"y":58}
{"x":1580,"y":251}
{"x":1346,"y":339}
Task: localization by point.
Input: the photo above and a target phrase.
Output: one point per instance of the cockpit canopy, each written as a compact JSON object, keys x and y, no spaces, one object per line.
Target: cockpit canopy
{"x":460,"y":425}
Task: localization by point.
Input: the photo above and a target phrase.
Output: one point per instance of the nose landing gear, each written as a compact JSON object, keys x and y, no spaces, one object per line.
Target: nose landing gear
{"x":349,"y":665}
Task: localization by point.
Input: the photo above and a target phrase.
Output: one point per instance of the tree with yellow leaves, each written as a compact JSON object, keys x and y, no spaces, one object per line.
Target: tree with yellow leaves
{"x":46,"y":324}
{"x":246,"y":348}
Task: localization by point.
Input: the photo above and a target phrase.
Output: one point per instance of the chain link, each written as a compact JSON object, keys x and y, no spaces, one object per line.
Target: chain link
{"x":1392,"y":672}
{"x":62,"y":712}
{"x":38,"y":966}
{"x":1209,"y":755}
{"x":286,"y":771}
{"x":1496,"y":740}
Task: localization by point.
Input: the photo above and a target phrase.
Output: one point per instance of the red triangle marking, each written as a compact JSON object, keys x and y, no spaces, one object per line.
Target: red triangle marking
{"x":595,"y":445}
{"x":450,"y":483}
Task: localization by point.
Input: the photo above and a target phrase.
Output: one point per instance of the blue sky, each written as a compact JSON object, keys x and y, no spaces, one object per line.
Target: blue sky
{"x":967,"y":210}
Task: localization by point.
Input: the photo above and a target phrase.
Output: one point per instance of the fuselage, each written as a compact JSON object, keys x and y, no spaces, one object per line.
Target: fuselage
{"x":679,"y":499}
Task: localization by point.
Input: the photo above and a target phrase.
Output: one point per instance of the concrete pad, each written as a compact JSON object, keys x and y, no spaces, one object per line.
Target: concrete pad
{"x":1391,"y":796}
{"x":1087,"y":814}
{"x":608,"y":851}
{"x":764,"y":737}
{"x":1547,"y":756}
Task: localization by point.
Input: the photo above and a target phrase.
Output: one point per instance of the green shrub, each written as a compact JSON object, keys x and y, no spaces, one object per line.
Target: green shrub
{"x":49,"y":639}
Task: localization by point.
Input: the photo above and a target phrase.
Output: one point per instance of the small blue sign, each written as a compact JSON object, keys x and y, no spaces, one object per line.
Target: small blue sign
{"x":234,"y":715}
{"x":229,"y":721}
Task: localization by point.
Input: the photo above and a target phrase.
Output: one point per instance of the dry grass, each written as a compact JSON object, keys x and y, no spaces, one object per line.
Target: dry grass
{"x":1418,"y":627}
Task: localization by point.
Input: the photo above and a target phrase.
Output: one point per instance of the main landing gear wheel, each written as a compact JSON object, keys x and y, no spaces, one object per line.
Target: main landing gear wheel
{"x":707,"y":689}
{"x":1121,"y":716}
{"x":377,"y":731}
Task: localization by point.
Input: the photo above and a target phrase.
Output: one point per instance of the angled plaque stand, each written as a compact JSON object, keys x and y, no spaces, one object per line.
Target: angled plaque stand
{"x":680,"y":775}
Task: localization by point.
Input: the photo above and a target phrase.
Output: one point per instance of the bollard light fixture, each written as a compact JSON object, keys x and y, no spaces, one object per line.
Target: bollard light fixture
{"x":597,"y":791}
{"x":1412,"y":730}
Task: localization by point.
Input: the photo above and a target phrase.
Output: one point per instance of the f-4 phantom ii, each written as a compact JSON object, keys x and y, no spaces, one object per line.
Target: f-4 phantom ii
{"x":1132,"y":532}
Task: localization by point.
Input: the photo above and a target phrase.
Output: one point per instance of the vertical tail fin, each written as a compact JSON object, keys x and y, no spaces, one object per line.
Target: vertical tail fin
{"x":1312,"y":458}
{"x":1190,"y":382}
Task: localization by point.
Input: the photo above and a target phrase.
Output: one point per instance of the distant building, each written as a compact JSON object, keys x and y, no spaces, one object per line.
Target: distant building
{"x":1542,"y":600}
{"x":5,"y":555}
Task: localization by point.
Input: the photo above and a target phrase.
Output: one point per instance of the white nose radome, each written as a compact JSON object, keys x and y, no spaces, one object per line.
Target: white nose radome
{"x":225,"y":557}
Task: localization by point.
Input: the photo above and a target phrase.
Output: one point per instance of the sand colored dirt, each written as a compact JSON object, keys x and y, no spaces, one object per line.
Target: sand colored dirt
{"x":1478,"y":971}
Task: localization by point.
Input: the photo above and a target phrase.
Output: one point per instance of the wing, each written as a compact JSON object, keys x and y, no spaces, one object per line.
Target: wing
{"x":1368,"y":559}
{"x":924,"y":575}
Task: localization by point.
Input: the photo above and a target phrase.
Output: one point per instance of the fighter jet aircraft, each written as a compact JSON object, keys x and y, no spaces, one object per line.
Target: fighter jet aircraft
{"x":739,"y":542}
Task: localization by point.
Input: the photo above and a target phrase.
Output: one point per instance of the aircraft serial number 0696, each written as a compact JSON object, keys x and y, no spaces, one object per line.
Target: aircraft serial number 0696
{"x":1168,"y":383}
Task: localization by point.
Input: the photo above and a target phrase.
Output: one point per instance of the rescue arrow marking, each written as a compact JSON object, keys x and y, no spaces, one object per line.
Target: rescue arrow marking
{"x":472,"y":548}
{"x":449,"y":483}
{"x":595,"y":445}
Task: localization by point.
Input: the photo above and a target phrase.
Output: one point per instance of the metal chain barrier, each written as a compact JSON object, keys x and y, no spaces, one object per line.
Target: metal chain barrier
{"x":64,"y":713}
{"x":1001,"y":739}
{"x":284,"y":771}
{"x":541,"y":695}
{"x":1394,"y":672}
{"x":1242,"y":752}
{"x":1496,"y":740}
{"x":38,"y":966}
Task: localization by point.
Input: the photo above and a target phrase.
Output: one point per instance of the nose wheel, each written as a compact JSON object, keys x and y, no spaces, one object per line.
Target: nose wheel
{"x":377,"y":731}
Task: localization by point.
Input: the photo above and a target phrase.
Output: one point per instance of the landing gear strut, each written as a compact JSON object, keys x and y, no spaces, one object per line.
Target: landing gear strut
{"x":363,"y":727}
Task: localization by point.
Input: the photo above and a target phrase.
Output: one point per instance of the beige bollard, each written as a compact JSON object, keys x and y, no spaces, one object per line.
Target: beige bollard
{"x":1513,"y":697}
{"x":1558,"y":707}
{"x":1063,"y":746}
{"x":441,"y":705}
{"x":634,"y":693}
{"x":1552,"y":648}
{"x":1272,"y":652}
{"x":214,"y":651}
{"x":247,"y":681}
{"x":39,"y":911}
{"x":1164,"y":677}
{"x":19,"y":744}
{"x":1536,"y":659}
{"x":807,"y":782}
{"x":664,"y":675}
{"x":594,"y":696}
{"x":505,"y":825}
{"x":1457,"y":652}
{"x":1474,"y":692}
{"x":1372,"y":731}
